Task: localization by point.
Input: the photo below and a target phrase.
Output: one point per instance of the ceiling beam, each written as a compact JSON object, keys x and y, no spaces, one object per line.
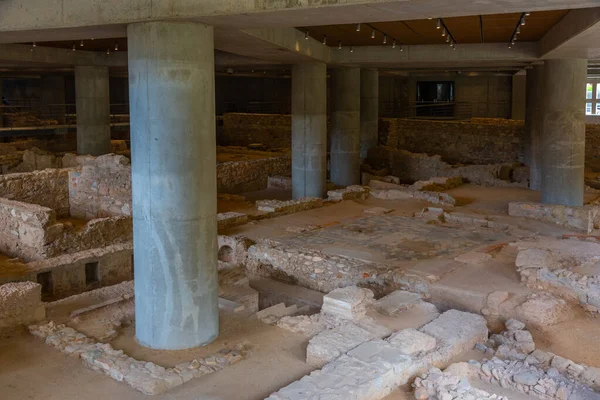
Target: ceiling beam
{"x":577,"y":35}
{"x":37,"y":20}
{"x":436,"y":55}
{"x":59,"y":57}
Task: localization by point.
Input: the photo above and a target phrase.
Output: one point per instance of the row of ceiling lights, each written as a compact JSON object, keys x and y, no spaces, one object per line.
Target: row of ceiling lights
{"x":439,"y":25}
{"x":517,"y":30}
{"x":81,"y":44}
{"x":358,"y":29}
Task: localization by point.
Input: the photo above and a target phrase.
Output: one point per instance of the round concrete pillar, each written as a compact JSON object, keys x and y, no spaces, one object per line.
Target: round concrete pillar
{"x":93,"y":110}
{"x":563,"y":139}
{"x":173,"y":150}
{"x":369,"y":110}
{"x":345,"y":127}
{"x":534,"y":120}
{"x":309,"y":130}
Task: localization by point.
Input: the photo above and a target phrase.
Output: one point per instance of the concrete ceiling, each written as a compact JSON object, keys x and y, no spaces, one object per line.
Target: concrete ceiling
{"x":495,"y":28}
{"x":259,"y":34}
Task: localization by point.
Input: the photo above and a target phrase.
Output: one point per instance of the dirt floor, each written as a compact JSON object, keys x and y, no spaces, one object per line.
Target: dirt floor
{"x":30,"y":369}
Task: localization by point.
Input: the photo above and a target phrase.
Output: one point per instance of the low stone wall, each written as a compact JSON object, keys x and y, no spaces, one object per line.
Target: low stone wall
{"x":480,"y":141}
{"x":584,"y":218}
{"x":247,"y":176}
{"x":102,"y":188}
{"x":47,"y":188}
{"x":272,"y":130}
{"x":20,"y":304}
{"x":109,"y":265}
{"x":32,"y":232}
{"x":410,"y":167}
{"x":559,"y":266}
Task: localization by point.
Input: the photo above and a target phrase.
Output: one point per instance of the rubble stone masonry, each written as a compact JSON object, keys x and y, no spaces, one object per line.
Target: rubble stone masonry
{"x":102,"y":188}
{"x":47,"y":188}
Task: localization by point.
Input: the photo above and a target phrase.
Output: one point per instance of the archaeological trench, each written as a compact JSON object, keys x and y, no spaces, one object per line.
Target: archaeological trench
{"x":263,"y":211}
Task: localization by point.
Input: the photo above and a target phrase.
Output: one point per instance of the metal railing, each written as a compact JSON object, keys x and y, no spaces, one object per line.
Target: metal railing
{"x":21,"y":120}
{"x":445,"y":110}
{"x":258,"y":107}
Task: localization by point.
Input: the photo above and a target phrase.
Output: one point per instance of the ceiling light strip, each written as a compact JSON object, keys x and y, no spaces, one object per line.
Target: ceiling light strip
{"x":517,"y":30}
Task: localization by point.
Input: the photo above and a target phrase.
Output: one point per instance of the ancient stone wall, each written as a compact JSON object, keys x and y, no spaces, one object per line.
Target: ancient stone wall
{"x":247,"y":176}
{"x":32,"y":232}
{"x":592,"y":147}
{"x":272,"y":130}
{"x":479,"y":141}
{"x":114,"y":264}
{"x":411,"y":167}
{"x":101,"y":188}
{"x":47,"y":188}
{"x":20,"y":304}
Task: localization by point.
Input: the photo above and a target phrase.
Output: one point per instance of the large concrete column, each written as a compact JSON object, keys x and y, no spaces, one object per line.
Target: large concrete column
{"x":534,"y":118}
{"x":1,"y":106}
{"x":93,"y":110}
{"x":369,"y":110}
{"x":173,"y":149}
{"x":345,"y":127}
{"x":563,"y":139}
{"x":309,"y":130}
{"x":52,"y":97}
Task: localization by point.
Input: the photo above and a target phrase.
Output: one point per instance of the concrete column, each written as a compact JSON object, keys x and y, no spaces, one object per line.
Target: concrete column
{"x":174,"y":161}
{"x":1,"y":106}
{"x":369,"y":110}
{"x":93,"y":110}
{"x":563,"y":141}
{"x":345,"y":127}
{"x":309,"y":130}
{"x":534,"y":118}
{"x":52,"y":97}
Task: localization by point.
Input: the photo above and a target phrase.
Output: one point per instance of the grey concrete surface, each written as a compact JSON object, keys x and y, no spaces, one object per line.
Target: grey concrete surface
{"x":563,"y":138}
{"x":534,"y":129}
{"x":309,"y":130}
{"x":369,"y":110}
{"x":52,"y":97}
{"x":173,"y":148}
{"x":93,"y":110}
{"x":345,"y":126}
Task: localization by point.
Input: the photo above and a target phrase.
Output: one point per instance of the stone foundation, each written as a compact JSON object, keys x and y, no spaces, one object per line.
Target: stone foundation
{"x":146,"y":377}
{"x":271,"y":130}
{"x":584,"y":218}
{"x":562,"y":267}
{"x":101,"y":187}
{"x":48,"y":188}
{"x":247,"y":176}
{"x":32,"y":232}
{"x":411,"y":167}
{"x":20,"y":304}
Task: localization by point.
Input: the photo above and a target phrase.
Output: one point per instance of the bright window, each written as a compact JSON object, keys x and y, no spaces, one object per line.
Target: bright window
{"x":592,"y":96}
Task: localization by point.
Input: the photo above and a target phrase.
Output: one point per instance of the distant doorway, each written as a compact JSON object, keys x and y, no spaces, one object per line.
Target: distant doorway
{"x":435,"y":99}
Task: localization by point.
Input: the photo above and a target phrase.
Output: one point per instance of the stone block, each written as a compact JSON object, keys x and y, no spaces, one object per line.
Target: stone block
{"x":350,"y":302}
{"x":410,"y":341}
{"x":290,"y":206}
{"x":20,"y":304}
{"x":330,"y":344}
{"x":354,"y":192}
{"x":279,"y":182}
{"x":397,"y":302}
{"x":460,"y":331}
{"x":230,"y":219}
